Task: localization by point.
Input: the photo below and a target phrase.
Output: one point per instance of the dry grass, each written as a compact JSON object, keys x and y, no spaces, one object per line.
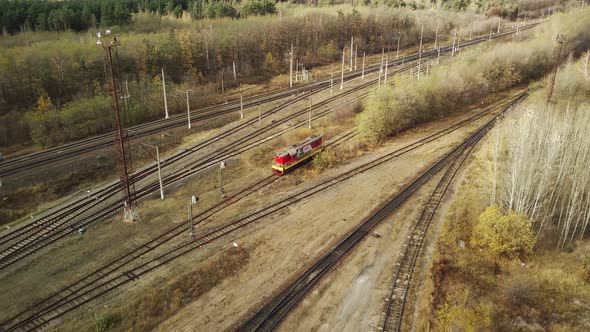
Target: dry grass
{"x":146,"y":312}
{"x":551,"y":291}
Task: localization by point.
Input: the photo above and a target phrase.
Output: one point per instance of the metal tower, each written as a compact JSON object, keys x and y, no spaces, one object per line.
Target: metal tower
{"x":109,"y":43}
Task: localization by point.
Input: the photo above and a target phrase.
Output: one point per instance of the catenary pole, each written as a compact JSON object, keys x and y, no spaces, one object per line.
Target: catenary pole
{"x":291,"y":68}
{"x":165,"y":99}
{"x":342,"y":74}
{"x":363,"y":69}
{"x":420,"y":52}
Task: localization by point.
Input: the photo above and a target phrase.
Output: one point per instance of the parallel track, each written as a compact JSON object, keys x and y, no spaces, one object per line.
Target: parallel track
{"x":56,"y":226}
{"x":118,"y":273}
{"x":267,"y":318}
{"x":34,"y":160}
{"x":81,"y":205}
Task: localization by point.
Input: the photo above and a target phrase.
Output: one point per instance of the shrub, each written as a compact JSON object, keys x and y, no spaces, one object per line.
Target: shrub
{"x":329,"y":51}
{"x":457,"y":315}
{"x":390,"y":110}
{"x":504,"y":236}
{"x":75,"y":120}
{"x":220,"y":9}
{"x":324,"y":159}
{"x":258,"y":7}
{"x":106,"y":322}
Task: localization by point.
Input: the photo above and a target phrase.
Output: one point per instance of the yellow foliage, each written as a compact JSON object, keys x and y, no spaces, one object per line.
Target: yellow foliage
{"x":457,"y":315}
{"x":269,"y":60}
{"x":44,"y":104}
{"x":184,"y":39}
{"x":324,"y":159}
{"x":504,"y":236}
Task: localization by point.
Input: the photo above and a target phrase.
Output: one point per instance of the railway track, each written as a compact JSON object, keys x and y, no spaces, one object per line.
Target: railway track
{"x":402,"y":277}
{"x":19,"y":164}
{"x":267,"y":318}
{"x":47,"y":230}
{"x":40,"y":235}
{"x":34,"y":160}
{"x":118,"y":273}
{"x":371,"y":68}
{"x":51,"y":228}
{"x":82,"y":286}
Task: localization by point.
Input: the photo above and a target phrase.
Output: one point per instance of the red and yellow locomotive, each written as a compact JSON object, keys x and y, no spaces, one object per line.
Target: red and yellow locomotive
{"x":297,"y":155}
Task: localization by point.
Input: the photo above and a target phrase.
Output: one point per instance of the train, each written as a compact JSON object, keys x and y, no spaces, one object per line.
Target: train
{"x":290,"y":158}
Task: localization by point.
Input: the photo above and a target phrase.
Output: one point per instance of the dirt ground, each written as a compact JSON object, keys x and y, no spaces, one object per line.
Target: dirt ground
{"x":285,"y":245}
{"x":300,"y":234}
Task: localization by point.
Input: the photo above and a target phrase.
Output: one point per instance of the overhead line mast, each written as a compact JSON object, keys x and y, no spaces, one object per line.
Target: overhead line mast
{"x":108,"y":42}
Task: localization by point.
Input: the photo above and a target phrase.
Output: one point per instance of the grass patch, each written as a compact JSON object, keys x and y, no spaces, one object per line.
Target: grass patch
{"x":106,"y":322}
{"x":156,"y":305}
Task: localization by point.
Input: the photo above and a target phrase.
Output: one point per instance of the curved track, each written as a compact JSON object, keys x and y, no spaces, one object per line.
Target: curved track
{"x":50,"y":228}
{"x":267,"y":318}
{"x":121,"y":271}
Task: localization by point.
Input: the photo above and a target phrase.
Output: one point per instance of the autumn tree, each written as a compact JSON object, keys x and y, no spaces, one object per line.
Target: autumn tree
{"x":44,"y":104}
{"x":503,"y":236}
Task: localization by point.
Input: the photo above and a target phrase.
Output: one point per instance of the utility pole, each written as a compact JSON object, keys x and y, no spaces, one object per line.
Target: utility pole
{"x":397,"y":52}
{"x":560,"y":40}
{"x":356,"y":55}
{"x":165,"y":100}
{"x":296,"y":70}
{"x":499,"y":20}
{"x":191,"y":226}
{"x":386,"y":62}
{"x":436,"y":37}
{"x":291,"y":68}
{"x":363,"y":69}
{"x":235,"y":73}
{"x":309,"y":116}
{"x":107,"y":43}
{"x":419,"y":53}
{"x":159,"y":168}
{"x":188,"y":107}
{"x":221,"y":168}
{"x":241,"y":104}
{"x":454,"y":38}
{"x":222,"y":82}
{"x":332,"y":79}
{"x":382,"y":59}
{"x":342,"y":75}
{"x":351,"y":51}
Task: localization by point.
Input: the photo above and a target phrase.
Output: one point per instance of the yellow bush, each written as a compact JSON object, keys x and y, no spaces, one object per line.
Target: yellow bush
{"x":457,"y":315}
{"x":324,"y":160}
{"x":505,"y":236}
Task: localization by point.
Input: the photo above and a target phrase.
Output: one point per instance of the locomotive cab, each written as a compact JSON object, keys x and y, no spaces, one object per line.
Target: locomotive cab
{"x":296,"y":155}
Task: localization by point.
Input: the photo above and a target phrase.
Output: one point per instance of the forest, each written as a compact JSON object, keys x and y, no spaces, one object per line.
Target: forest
{"x":47,"y":15}
{"x":52,"y":83}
